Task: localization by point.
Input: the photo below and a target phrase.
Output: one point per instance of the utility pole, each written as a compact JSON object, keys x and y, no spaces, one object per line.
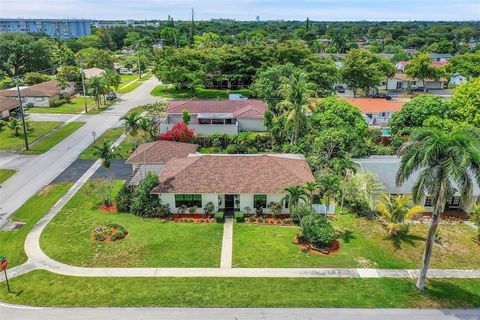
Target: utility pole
{"x":138,"y":61}
{"x":83,"y":86}
{"x":192,"y":29}
{"x":22,"y":112}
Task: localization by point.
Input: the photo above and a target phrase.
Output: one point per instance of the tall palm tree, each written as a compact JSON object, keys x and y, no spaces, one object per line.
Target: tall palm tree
{"x":296,"y":93}
{"x":95,"y":88}
{"x":329,"y":186}
{"x":396,"y":210}
{"x":149,"y":127}
{"x":131,"y":121}
{"x":311,"y":188}
{"x":446,"y":163}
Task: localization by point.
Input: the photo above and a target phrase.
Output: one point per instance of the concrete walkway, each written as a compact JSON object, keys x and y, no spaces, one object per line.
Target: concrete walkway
{"x":17,"y":312}
{"x":227,"y":244}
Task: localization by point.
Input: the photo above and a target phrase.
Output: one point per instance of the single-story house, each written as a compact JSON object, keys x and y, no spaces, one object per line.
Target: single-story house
{"x":230,"y":182}
{"x":386,"y":167}
{"x":8,"y":106}
{"x":410,"y":51}
{"x":402,"y":65}
{"x":401,"y":81}
{"x":376,"y":111}
{"x":457,"y":79}
{"x":42,"y":94}
{"x":152,"y":157}
{"x":93,"y":72}
{"x":217,"y":116}
{"x":440,"y":57}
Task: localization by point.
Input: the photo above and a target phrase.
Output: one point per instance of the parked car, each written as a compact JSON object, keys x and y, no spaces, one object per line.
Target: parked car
{"x":111,"y":96}
{"x":417,"y":89}
{"x":125,"y":71}
{"x":381,"y":96}
{"x":340,"y":89}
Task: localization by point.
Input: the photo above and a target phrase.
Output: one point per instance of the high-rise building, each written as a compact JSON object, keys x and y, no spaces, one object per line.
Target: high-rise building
{"x":55,"y":28}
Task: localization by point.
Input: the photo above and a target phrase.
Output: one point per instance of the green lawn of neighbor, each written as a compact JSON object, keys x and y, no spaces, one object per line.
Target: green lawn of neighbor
{"x":126,"y":88}
{"x":76,"y":105}
{"x":56,"y":136}
{"x":41,"y":288}
{"x":5,"y":174}
{"x":150,"y":242}
{"x":30,"y":212}
{"x":200,"y":93}
{"x":38,"y":129}
{"x":363,"y":243}
{"x":112,"y":134}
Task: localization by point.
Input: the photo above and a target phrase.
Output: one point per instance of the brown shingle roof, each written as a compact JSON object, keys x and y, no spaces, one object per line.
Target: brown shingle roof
{"x":7,"y":103}
{"x":264,"y":174}
{"x":93,"y":72}
{"x":161,"y":151}
{"x":250,"y":108}
{"x":44,"y":89}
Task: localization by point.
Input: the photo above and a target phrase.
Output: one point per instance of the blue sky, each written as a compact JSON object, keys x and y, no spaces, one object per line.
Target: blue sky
{"x":245,"y":9}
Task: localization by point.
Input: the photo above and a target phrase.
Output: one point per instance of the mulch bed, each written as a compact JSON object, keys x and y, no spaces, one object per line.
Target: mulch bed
{"x":109,"y":209}
{"x":307,"y":247}
{"x":270,"y":221}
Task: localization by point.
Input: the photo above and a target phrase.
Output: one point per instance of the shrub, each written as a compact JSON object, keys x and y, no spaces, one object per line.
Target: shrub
{"x":7,"y":83}
{"x":252,"y":150}
{"x":180,"y":133}
{"x":192,"y":210}
{"x":275,"y":208}
{"x":299,"y":212}
{"x":239,"y":216}
{"x":209,"y":207}
{"x":57,"y":103}
{"x":143,"y":203}
{"x":475,"y":218}
{"x":34,"y":77}
{"x":232,"y":149}
{"x":247,"y":210}
{"x":317,"y":230}
{"x":219,"y":217}
{"x":123,"y":198}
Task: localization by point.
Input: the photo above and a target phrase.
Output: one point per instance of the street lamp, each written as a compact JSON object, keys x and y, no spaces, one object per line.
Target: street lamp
{"x":22,"y":112}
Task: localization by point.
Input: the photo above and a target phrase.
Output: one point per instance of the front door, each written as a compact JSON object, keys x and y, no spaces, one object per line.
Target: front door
{"x":229,"y":201}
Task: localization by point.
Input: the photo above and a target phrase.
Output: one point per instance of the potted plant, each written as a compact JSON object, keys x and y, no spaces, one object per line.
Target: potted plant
{"x":247,"y":210}
{"x":183,"y":209}
{"x":209,"y":207}
{"x":192,"y":210}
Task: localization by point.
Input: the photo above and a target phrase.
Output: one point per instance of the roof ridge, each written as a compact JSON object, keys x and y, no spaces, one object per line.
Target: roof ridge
{"x":277,"y":160}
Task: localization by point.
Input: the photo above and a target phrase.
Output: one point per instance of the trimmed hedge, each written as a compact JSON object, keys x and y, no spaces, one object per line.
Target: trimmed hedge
{"x":239,"y":216}
{"x":219,"y":216}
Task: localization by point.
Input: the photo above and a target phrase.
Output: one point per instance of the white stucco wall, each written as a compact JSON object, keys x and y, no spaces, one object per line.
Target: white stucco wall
{"x":251,"y":125}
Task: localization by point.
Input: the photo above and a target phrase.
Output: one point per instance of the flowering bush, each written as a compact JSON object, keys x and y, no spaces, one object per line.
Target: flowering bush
{"x":180,"y":133}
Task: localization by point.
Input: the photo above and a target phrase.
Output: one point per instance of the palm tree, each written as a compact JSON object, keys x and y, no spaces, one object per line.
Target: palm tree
{"x":95,"y":87}
{"x":106,"y":151}
{"x":296,"y":93}
{"x":311,"y":188}
{"x":149,"y":127}
{"x":15,"y":125}
{"x":131,"y":122}
{"x":329,"y":186}
{"x":294,"y":195}
{"x":112,"y":79}
{"x":445,"y":163}
{"x":396,"y":210}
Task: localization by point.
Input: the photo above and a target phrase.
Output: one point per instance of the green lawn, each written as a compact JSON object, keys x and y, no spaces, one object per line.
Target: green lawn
{"x":38,"y":129}
{"x":150,"y":242}
{"x":30,"y":212}
{"x":126,"y":88}
{"x":363,"y":243}
{"x":76,"y":105}
{"x":200,"y":93}
{"x":5,"y":174}
{"x":56,"y":136}
{"x":41,"y":288}
{"x":112,"y":134}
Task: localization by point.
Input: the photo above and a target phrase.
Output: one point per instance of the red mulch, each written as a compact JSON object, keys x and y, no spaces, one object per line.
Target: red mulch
{"x":306,"y":247}
{"x":110,"y":209}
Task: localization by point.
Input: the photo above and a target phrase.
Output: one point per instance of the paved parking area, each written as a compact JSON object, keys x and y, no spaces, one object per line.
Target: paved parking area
{"x":118,"y":170}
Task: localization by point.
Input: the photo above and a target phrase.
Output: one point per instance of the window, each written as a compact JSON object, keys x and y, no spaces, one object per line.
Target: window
{"x":188,"y":200}
{"x":39,"y":98}
{"x":455,"y":202}
{"x":260,"y":200}
{"x":204,"y":121}
{"x":228,"y":121}
{"x":217,"y":121}
{"x":428,"y":202}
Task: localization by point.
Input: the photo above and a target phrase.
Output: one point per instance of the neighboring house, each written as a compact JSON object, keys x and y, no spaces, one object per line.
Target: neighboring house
{"x":386,"y":167}
{"x":440,"y":57}
{"x":401,"y":65}
{"x":93,"y":72}
{"x":231,"y":182}
{"x":410,"y":51}
{"x":457,"y":79}
{"x":40,"y":95}
{"x":152,"y":157}
{"x":8,"y":106}
{"x":377,"y":112}
{"x":401,"y":81}
{"x":217,"y":116}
